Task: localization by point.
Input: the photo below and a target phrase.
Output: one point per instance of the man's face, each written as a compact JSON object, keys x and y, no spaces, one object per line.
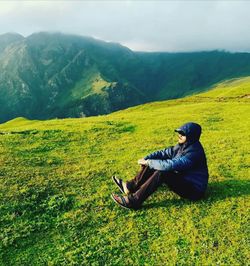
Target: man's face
{"x":181,"y":139}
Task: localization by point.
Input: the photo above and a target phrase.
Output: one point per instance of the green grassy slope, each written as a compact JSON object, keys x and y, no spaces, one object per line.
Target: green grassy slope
{"x":55,"y":186}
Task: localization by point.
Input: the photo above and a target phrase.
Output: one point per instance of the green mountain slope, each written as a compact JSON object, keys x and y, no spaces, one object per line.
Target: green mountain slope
{"x":49,"y":75}
{"x":55,"y":186}
{"x":9,"y":39}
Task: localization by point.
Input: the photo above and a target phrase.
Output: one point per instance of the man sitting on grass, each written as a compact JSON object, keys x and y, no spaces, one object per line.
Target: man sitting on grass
{"x":182,"y":167}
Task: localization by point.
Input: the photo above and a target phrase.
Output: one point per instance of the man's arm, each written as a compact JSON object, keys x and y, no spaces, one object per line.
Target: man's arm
{"x":177,"y":164}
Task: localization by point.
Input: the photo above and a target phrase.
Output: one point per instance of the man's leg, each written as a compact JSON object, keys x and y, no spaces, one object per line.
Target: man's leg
{"x":134,"y":184}
{"x":147,"y":188}
{"x":174,"y":181}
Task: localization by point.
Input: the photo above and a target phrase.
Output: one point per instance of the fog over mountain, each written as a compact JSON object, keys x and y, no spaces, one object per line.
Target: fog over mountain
{"x":171,"y":26}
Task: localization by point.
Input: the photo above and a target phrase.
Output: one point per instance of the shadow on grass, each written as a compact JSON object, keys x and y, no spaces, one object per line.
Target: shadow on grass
{"x":216,"y":191}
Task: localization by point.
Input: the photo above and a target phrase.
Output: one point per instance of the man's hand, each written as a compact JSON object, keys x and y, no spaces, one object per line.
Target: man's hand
{"x":142,"y":162}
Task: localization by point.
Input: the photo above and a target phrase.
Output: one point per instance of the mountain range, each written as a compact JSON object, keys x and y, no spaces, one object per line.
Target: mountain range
{"x":49,"y":75}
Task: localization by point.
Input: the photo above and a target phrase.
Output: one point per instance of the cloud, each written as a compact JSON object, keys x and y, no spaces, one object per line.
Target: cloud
{"x":140,"y":25}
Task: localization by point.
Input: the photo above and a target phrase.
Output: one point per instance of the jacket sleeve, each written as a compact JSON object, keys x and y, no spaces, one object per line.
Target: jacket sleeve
{"x":162,"y":154}
{"x":182,"y":163}
{"x":177,"y":164}
{"x":162,"y":165}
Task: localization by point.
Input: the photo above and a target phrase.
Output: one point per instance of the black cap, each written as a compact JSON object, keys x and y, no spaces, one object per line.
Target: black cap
{"x":180,"y":131}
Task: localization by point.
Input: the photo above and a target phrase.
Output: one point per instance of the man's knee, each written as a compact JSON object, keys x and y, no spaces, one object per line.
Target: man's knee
{"x":159,"y":176}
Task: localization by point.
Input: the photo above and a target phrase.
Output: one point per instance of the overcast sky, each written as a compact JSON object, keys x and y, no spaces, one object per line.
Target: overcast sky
{"x":139,"y":25}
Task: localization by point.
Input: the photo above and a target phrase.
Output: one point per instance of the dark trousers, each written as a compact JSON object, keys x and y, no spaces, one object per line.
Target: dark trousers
{"x":148,"y":180}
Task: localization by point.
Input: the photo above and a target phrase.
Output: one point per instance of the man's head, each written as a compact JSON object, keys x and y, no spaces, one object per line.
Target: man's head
{"x":189,"y":132}
{"x":181,"y":137}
